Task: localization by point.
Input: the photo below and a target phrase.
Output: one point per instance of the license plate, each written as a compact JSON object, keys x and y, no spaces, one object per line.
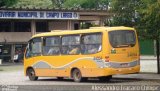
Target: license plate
{"x":124,"y":65}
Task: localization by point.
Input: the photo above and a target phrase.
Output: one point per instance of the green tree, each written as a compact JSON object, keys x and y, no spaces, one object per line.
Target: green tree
{"x":58,"y":3}
{"x":85,"y":3}
{"x":7,"y":3}
{"x":149,"y":13}
{"x":34,"y":3}
{"x":124,"y":12}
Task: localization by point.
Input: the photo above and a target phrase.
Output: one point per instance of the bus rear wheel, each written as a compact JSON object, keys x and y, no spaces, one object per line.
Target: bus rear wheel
{"x":77,"y":76}
{"x":105,"y":78}
{"x":31,"y":75}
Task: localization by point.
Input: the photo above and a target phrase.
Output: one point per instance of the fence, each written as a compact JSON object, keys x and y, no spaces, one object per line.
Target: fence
{"x":146,"y":47}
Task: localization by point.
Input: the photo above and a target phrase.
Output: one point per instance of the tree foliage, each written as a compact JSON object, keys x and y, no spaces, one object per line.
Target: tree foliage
{"x":34,"y":3}
{"x":142,"y":14}
{"x":7,"y":3}
{"x":58,"y":3}
{"x":149,"y":13}
{"x":81,"y":3}
{"x":124,"y":12}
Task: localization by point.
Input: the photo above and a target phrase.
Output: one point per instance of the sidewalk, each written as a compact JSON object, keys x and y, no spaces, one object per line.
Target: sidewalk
{"x":10,"y":64}
{"x":148,"y":57}
{"x":141,"y":75}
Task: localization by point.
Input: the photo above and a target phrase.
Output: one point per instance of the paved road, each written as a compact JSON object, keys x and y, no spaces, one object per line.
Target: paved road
{"x":17,"y":78}
{"x":49,"y":83}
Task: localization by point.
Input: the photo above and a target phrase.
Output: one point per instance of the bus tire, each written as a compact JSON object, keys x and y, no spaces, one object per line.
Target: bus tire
{"x":105,"y":78}
{"x":31,"y":74}
{"x":77,"y":76}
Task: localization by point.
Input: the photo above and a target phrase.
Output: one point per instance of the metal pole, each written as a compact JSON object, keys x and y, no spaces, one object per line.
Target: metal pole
{"x":157,"y":46}
{"x":33,"y":27}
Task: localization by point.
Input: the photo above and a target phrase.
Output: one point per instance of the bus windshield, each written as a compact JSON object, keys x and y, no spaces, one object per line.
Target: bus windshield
{"x":122,"y":38}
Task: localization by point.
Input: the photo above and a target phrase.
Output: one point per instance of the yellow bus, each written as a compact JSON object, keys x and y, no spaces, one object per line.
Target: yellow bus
{"x":80,"y":54}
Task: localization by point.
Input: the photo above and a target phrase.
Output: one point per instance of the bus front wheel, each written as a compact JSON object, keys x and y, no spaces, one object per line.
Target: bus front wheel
{"x":77,"y":76}
{"x":31,"y":74}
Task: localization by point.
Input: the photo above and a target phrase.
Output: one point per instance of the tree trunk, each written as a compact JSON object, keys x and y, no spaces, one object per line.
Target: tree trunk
{"x":157,"y":47}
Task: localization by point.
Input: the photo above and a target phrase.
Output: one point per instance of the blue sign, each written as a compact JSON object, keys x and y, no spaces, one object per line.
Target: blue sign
{"x":37,"y":15}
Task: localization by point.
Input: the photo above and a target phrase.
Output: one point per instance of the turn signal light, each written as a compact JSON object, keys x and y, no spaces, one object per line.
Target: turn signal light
{"x":106,"y":58}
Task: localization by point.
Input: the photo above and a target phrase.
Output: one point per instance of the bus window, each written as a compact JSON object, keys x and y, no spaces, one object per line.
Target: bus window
{"x":34,"y":48}
{"x":91,"y":43}
{"x":71,"y":44}
{"x":122,"y":38}
{"x":51,"y":46}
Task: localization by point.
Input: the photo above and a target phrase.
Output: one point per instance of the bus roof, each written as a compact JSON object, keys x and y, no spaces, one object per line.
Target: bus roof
{"x":91,"y":30}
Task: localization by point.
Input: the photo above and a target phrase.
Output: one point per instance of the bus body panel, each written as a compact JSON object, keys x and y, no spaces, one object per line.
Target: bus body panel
{"x":125,"y":55}
{"x":62,"y":65}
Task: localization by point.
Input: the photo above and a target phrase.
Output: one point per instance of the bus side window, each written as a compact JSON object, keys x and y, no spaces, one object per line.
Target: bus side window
{"x":70,"y":45}
{"x":34,"y":48}
{"x":51,"y":45}
{"x":91,"y":43}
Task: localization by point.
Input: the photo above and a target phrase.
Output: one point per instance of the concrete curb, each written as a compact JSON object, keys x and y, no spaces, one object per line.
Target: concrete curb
{"x":148,"y":58}
{"x":141,"y":75}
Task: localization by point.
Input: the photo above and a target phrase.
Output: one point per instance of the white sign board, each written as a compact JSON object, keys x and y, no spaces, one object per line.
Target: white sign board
{"x":5,"y":14}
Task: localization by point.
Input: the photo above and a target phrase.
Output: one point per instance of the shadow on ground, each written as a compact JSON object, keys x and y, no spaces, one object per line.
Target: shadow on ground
{"x":113,"y":80}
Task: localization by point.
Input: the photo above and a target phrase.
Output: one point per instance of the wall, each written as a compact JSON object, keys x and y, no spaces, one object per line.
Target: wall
{"x":57,"y":25}
{"x":15,"y":36}
{"x":146,"y":47}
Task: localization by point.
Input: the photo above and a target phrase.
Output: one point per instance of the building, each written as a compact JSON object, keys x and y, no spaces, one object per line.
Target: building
{"x":17,"y":25}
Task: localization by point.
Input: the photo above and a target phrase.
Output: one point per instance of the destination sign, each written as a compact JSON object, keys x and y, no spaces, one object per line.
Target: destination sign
{"x":38,"y":15}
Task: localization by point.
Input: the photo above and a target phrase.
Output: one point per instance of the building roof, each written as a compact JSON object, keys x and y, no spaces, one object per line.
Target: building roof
{"x":53,"y":9}
{"x":81,"y":11}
